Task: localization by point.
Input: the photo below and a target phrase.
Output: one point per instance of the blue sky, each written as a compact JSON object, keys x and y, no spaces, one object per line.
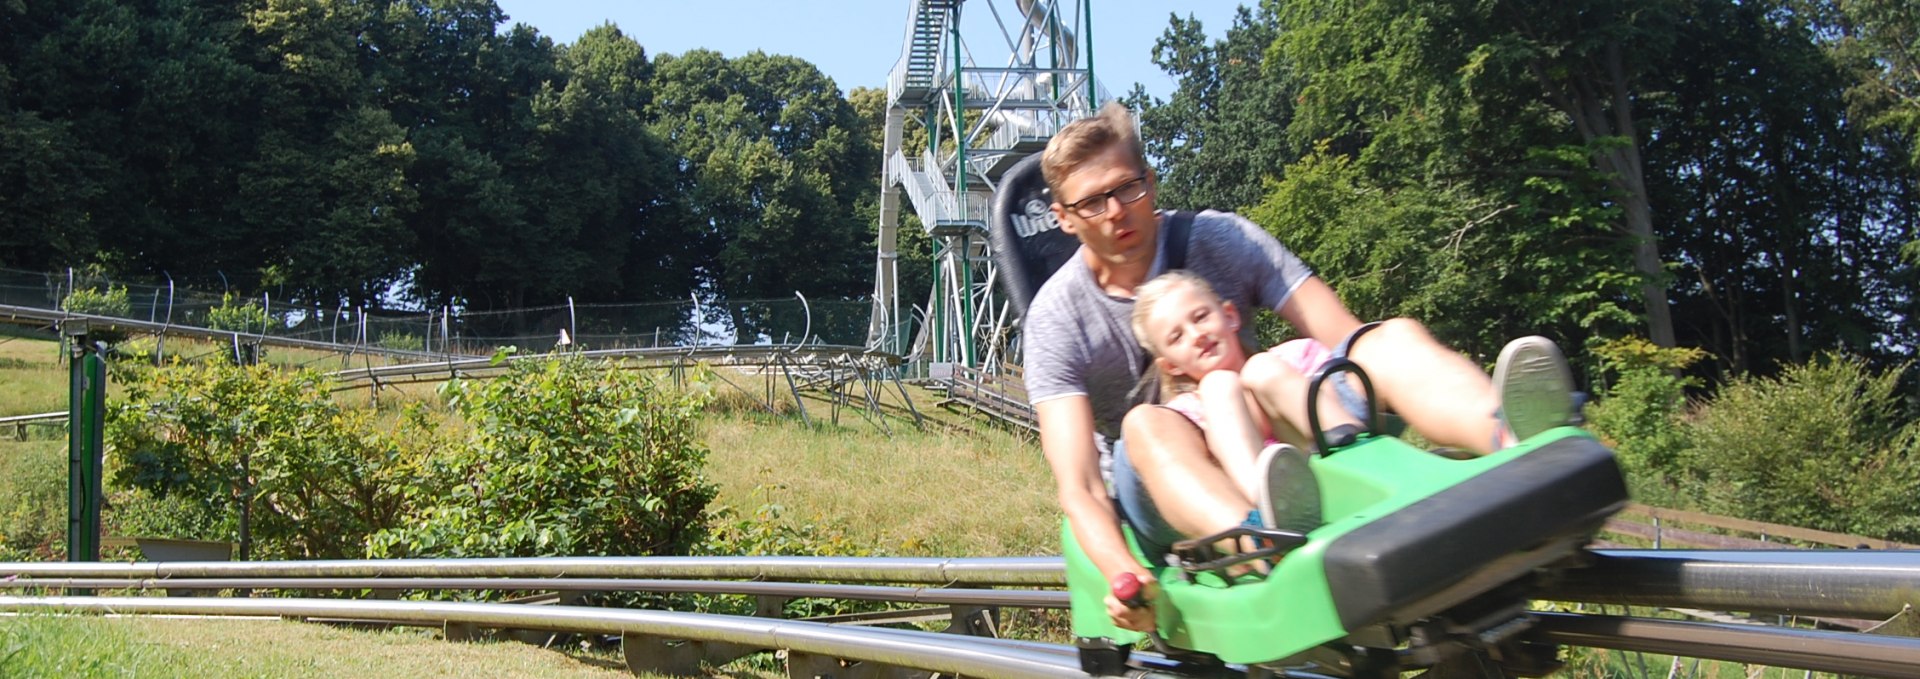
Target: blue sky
{"x":856,"y":42}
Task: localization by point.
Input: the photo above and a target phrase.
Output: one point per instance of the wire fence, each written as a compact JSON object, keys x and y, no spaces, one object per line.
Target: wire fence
{"x":450,"y":329}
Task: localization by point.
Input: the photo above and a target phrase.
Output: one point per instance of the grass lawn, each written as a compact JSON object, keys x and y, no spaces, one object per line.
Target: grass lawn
{"x":915,"y":493}
{"x":32,"y":378}
{"x":84,"y":646}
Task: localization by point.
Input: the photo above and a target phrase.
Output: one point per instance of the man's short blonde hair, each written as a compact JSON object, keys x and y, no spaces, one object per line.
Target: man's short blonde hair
{"x":1088,"y":137}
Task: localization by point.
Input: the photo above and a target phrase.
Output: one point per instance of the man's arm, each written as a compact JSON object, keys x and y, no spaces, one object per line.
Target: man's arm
{"x":1317,"y":312}
{"x":1066,"y":436}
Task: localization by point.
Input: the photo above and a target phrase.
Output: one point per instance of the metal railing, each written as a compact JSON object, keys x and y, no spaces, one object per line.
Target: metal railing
{"x":930,"y":193}
{"x":947,"y":653}
{"x":1861,"y":583}
{"x":1792,"y":581}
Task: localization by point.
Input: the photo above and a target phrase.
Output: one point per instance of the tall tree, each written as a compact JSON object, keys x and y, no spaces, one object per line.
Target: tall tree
{"x":1786,"y":211}
{"x":775,"y":161}
{"x":1222,"y":134}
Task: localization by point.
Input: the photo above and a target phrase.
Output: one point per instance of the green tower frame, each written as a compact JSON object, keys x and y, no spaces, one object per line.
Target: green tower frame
{"x":983,"y":106}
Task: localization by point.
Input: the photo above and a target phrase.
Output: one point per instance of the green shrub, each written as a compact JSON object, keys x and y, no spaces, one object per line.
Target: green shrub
{"x":400,"y":341}
{"x":563,"y":456}
{"x":198,"y":439}
{"x":1821,"y":446}
{"x":1641,"y":413}
{"x":109,"y":302}
{"x":248,"y":317}
{"x":33,"y":501}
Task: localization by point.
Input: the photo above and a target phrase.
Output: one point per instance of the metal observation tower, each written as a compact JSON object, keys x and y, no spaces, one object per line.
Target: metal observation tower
{"x":985,"y":103}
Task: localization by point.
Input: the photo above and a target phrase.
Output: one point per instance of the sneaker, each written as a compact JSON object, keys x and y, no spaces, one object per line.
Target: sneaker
{"x":1534,"y":386}
{"x":1292,"y":500}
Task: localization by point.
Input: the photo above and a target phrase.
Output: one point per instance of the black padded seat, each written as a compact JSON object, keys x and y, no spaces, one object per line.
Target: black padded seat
{"x":1028,"y":245}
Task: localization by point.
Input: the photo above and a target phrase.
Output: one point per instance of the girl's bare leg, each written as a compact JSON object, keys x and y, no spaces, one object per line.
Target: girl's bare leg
{"x":1280,"y":390}
{"x":1233,"y":436}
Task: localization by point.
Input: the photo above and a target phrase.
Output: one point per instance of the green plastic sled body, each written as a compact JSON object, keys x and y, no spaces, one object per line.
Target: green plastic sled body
{"x":1409,"y":534}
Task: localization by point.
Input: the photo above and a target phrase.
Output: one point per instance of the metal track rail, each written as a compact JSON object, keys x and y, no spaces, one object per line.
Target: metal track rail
{"x":1794,"y":582}
{"x":1820,"y":651}
{"x":948,"y":653}
{"x":36,"y":316}
{"x":1028,"y":571}
{"x":1016,"y":598}
{"x":759,"y":354}
{"x":1843,"y":583}
{"x":1846,"y":653}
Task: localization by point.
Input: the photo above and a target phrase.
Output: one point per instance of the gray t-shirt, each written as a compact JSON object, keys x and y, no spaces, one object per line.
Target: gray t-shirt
{"x":1079,"y":340}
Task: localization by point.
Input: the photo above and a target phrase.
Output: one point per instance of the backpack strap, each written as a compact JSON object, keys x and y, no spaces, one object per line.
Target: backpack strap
{"x":1179,"y":227}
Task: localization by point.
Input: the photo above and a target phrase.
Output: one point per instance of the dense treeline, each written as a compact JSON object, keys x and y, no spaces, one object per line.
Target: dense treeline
{"x":334,"y":148}
{"x":1734,"y":176}
{"x":1713,"y":204}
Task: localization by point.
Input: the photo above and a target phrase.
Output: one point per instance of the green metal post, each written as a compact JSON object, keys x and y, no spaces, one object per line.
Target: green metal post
{"x":960,"y":191}
{"x":939,"y":316}
{"x":86,"y":443}
{"x":967,"y":349}
{"x":1086,"y":29}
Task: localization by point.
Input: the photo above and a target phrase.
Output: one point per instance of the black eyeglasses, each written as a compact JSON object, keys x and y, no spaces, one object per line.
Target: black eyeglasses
{"x":1096,"y":204}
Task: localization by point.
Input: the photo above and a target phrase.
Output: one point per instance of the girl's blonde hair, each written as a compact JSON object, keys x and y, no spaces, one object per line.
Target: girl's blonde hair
{"x":1150,"y":295}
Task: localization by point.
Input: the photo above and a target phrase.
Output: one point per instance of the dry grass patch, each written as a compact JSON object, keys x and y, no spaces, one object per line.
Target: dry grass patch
{"x":915,"y":493}
{"x":32,"y":378}
{"x":172,"y":647}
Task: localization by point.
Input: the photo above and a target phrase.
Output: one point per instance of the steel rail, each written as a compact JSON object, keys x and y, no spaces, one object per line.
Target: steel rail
{"x":30,"y":419}
{"x":1820,"y":651}
{"x":1839,"y":583}
{"x":755,"y":352}
{"x":15,"y":313}
{"x":1027,"y":598}
{"x":951,"y":653}
{"x":1809,"y":582}
{"x":1027,"y":571}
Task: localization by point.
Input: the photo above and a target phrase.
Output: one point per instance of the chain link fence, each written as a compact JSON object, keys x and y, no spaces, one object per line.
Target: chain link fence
{"x":449,"y":330}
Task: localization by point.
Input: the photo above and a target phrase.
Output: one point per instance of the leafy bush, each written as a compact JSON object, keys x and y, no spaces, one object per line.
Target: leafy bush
{"x":563,"y":456}
{"x":33,"y":517}
{"x":1641,"y":413}
{"x":248,"y":317}
{"x":198,"y":439}
{"x":109,"y":302}
{"x":1821,"y":446}
{"x":401,"y":341}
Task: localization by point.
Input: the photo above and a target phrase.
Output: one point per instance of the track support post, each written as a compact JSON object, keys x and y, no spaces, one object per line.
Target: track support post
{"x":86,"y":443}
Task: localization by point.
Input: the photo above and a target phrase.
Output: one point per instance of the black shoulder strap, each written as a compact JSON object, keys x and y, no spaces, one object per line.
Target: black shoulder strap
{"x":1179,"y":229}
{"x":1179,"y":226}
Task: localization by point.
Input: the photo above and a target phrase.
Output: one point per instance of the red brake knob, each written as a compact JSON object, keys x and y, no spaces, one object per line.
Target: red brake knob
{"x":1126,"y":588}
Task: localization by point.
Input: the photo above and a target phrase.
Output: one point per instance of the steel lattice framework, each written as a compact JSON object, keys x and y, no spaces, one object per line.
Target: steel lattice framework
{"x":984,"y":104}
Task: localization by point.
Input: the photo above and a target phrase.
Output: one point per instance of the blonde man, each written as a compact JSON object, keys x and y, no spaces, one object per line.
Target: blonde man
{"x":1082,"y":362}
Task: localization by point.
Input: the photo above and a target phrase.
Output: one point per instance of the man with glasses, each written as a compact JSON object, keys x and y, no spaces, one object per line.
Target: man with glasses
{"x":1082,"y":362}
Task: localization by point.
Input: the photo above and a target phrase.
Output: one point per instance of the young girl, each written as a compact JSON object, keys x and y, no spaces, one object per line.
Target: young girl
{"x":1250,"y":409}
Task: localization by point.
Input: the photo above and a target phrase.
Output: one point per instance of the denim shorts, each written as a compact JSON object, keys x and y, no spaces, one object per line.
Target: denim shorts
{"x":1135,"y":507}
